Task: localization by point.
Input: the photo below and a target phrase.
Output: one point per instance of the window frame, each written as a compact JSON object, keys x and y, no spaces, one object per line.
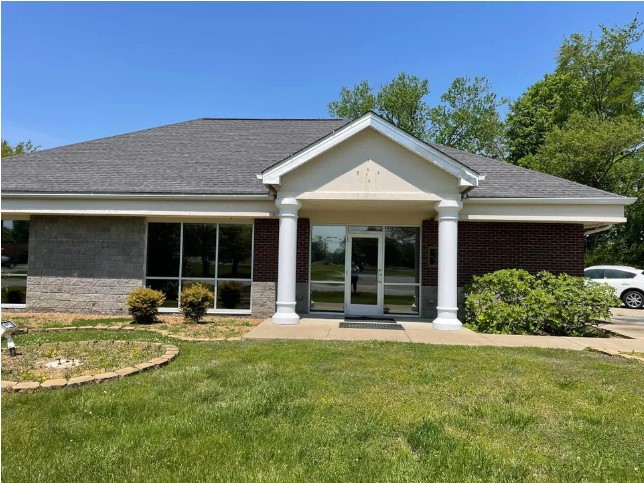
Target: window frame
{"x":21,"y":276}
{"x":180,"y":278}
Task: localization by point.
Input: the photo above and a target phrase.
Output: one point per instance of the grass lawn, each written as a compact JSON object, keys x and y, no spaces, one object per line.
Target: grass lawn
{"x":318,"y":411}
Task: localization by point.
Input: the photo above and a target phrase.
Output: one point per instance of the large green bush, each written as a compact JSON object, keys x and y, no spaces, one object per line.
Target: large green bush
{"x":516,"y":302}
{"x":143,"y":304}
{"x":195,"y":300}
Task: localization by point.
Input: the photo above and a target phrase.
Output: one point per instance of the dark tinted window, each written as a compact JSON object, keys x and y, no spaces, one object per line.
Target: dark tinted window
{"x":163,"y":249}
{"x":594,"y":273}
{"x":15,"y":248}
{"x":235,"y":251}
{"x":199,"y":250}
{"x":613,"y":273}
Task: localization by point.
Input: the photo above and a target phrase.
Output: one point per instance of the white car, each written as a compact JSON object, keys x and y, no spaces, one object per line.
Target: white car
{"x":628,"y":282}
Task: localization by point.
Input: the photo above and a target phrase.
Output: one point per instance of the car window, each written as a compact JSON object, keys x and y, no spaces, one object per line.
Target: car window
{"x":613,"y":273}
{"x":594,"y":273}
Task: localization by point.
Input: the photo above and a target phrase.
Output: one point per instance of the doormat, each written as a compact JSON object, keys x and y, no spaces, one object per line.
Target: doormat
{"x":365,"y":318}
{"x":370,"y":325}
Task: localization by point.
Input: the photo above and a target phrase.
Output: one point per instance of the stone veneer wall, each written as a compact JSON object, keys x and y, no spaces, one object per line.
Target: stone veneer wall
{"x":84,"y":264}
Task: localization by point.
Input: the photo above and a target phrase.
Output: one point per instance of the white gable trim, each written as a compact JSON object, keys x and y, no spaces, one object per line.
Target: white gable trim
{"x":466,"y":176}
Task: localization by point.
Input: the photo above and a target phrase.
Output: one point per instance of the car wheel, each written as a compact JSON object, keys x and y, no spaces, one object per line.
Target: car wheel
{"x":633,"y":299}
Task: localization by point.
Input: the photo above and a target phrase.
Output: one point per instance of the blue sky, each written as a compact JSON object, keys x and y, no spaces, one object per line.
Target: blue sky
{"x":78,"y":71}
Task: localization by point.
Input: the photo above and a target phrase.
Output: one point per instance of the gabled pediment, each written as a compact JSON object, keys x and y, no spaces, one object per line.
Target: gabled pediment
{"x":465,"y":176}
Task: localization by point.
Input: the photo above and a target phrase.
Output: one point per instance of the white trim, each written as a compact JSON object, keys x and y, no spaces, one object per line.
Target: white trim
{"x":558,"y":201}
{"x":13,"y":306}
{"x":467,"y":176}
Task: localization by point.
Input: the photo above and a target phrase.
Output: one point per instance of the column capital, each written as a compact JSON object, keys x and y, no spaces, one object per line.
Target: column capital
{"x":288,"y":206}
{"x":448,"y":209}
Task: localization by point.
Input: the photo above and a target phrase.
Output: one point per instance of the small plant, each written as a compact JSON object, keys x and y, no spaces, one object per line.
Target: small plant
{"x":143,"y":304}
{"x":516,"y":302}
{"x":230,"y":294}
{"x":195,"y":300}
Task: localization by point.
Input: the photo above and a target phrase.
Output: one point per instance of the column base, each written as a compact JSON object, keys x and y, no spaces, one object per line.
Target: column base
{"x":286,"y":319}
{"x":447,"y":323}
{"x":285,"y":314}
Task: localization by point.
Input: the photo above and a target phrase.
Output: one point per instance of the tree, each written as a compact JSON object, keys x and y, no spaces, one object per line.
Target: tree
{"x":544,"y":106}
{"x":354,"y":102}
{"x":400,"y":102}
{"x":469,"y":119}
{"x":603,"y":153}
{"x":23,"y":147}
{"x":612,"y":74}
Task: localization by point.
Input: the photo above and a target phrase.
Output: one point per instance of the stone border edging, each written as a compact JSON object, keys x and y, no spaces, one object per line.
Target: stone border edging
{"x":171,"y":351}
{"x":614,"y":353}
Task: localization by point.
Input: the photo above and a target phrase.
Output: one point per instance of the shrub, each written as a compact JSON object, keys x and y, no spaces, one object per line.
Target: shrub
{"x":143,"y":304}
{"x":195,"y":300}
{"x":515,"y":302}
{"x":230,"y":294}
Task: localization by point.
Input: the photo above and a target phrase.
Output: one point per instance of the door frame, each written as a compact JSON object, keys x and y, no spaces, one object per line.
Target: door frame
{"x":362,"y":309}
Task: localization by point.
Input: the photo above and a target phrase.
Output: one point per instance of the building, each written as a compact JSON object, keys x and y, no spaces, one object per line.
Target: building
{"x":282,"y":218}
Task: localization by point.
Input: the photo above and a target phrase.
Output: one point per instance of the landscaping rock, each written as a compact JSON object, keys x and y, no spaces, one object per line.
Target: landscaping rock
{"x":144,"y":366}
{"x":8,"y":385}
{"x":26,"y":386}
{"x":54,"y":383}
{"x":106,"y":376}
{"x":127,"y":371}
{"x":80,"y":380}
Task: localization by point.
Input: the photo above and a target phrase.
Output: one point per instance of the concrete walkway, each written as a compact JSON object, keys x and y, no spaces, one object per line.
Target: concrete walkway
{"x":423,"y":332}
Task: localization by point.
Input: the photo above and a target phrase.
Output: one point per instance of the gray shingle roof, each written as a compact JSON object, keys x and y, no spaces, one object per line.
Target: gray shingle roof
{"x":223,"y":156}
{"x":204,"y":156}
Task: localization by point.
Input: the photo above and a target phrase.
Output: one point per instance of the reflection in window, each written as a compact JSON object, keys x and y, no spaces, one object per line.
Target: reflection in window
{"x":235,"y":251}
{"x":402,"y":254}
{"x":199,"y":250}
{"x":401,"y":299}
{"x":327,"y":297}
{"x":163,"y":249}
{"x":327,"y":253}
{"x":180,"y":254}
{"x":15,"y":255}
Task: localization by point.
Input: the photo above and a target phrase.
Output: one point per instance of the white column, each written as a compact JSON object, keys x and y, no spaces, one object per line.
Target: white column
{"x":447,"y":306}
{"x":285,"y":314}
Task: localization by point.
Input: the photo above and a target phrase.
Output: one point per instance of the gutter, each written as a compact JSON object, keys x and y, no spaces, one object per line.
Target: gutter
{"x":563,"y":201}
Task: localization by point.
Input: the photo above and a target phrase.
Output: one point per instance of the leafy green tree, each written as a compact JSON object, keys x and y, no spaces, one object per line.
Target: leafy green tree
{"x":544,"y":106}
{"x":400,"y":102}
{"x":612,"y":74}
{"x":469,"y":118}
{"x":23,"y":147}
{"x":354,"y":102}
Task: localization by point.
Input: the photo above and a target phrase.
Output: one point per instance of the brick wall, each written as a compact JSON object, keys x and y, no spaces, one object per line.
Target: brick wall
{"x":266,"y":250}
{"x":303,"y":242}
{"x":84,"y":264}
{"x":486,"y":247}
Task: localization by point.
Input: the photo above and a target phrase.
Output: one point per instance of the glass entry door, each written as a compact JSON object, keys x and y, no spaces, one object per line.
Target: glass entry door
{"x":364,"y":274}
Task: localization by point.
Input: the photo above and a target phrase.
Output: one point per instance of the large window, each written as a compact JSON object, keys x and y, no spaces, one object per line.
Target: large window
{"x":402,"y":270}
{"x":327,"y":268}
{"x":216,"y":255}
{"x":15,"y":255}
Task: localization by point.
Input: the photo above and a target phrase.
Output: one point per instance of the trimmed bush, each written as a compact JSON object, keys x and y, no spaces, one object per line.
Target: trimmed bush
{"x":515,"y":302}
{"x":195,"y":300}
{"x":143,"y":304}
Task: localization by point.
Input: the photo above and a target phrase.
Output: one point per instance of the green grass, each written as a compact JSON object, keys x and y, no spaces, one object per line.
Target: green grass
{"x":321,"y":411}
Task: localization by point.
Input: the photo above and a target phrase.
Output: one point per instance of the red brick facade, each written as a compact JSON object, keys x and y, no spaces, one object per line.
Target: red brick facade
{"x":486,"y":247}
{"x":303,"y":242}
{"x":266,"y":250}
{"x":482,"y":248}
